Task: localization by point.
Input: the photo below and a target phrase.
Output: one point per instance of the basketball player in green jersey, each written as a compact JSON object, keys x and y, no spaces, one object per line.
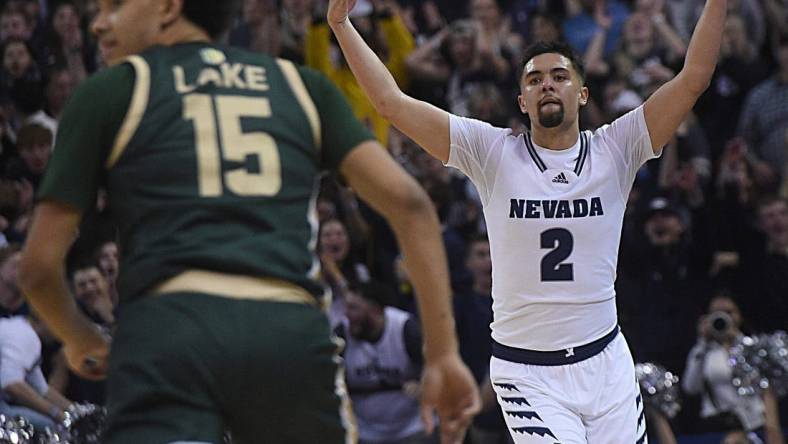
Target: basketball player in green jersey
{"x":211,"y":156}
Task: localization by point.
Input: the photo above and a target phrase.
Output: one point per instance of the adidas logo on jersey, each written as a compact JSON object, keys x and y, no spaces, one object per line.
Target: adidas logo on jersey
{"x":560,"y":178}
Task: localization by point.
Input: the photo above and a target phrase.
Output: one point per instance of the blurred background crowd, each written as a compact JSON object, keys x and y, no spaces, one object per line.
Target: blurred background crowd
{"x":706,"y":232}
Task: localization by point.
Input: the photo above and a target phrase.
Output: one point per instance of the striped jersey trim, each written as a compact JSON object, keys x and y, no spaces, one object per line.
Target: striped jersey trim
{"x":532,"y":151}
{"x":137,"y":107}
{"x":304,"y":99}
{"x":584,"y":148}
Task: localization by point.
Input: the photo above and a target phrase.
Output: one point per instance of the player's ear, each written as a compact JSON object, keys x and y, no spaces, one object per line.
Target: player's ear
{"x":583,"y":96}
{"x":521,"y":103}
{"x":170,"y":11}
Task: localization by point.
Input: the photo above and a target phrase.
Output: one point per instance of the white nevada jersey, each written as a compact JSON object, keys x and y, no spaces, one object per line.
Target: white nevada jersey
{"x":554,"y":222}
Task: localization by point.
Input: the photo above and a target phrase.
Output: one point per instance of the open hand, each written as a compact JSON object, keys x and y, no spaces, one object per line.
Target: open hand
{"x":448,"y":387}
{"x":87,"y":357}
{"x":338,"y":10}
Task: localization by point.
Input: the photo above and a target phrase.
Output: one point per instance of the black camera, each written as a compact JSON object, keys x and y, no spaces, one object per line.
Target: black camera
{"x":720,"y":324}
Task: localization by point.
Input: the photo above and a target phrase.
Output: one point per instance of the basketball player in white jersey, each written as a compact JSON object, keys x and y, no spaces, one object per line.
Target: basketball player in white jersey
{"x":554,"y":204}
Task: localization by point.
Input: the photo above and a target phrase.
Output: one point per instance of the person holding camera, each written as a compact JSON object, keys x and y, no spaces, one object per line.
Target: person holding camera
{"x":709,"y":375}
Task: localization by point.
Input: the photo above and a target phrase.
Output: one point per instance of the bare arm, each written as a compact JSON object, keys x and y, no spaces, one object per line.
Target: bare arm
{"x":447,"y":384}
{"x":671,"y":103}
{"x":397,"y":196}
{"x":772,"y":427}
{"x":42,"y":279}
{"x":421,"y":121}
{"x":42,"y":270}
{"x":659,"y":423}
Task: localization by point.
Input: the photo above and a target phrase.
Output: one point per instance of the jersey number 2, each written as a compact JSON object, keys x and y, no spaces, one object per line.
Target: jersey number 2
{"x":560,"y":241}
{"x":229,"y":142}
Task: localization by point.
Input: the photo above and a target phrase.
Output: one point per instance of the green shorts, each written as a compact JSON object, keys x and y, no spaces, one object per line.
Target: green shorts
{"x":185,"y":367}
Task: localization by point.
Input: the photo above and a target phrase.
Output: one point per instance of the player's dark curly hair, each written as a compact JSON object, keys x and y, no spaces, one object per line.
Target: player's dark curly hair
{"x":214,"y":16}
{"x":556,"y":47}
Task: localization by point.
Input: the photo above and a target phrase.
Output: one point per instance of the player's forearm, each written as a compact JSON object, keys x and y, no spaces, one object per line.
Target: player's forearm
{"x":704,"y":47}
{"x":373,"y":76}
{"x":47,"y":292}
{"x":419,"y":235}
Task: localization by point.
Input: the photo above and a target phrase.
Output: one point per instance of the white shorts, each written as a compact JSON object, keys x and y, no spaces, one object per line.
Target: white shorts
{"x":594,"y":401}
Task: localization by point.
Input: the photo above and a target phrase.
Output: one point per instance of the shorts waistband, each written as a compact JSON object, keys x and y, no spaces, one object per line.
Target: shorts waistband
{"x":552,"y":358}
{"x":233,"y":286}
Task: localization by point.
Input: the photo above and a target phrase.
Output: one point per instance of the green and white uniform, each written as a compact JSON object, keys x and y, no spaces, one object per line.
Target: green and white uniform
{"x":211,"y":157}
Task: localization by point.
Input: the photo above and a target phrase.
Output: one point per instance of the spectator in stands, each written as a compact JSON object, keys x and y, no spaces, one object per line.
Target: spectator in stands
{"x":643,"y":59}
{"x":473,"y":315}
{"x":296,"y":17}
{"x":764,"y":262}
{"x":383,"y":362}
{"x":463,"y":64}
{"x":659,"y":286}
{"x":382,"y":26}
{"x":12,"y":302}
{"x":764,"y":118}
{"x":34,"y":145}
{"x":24,"y":389}
{"x":70,"y":45}
{"x":14,"y":24}
{"x":340,"y":269}
{"x":60,"y":83}
{"x":685,"y":13}
{"x":496,"y":35}
{"x":92,"y":293}
{"x":579,"y":27}
{"x":708,"y":374}
{"x":259,"y":28}
{"x":740,"y":68}
{"x":544,"y":27}
{"x":108,"y":260}
{"x":21,"y":79}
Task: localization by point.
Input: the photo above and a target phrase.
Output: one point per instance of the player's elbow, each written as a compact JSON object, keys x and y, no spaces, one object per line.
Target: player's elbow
{"x":33,"y":275}
{"x":696,"y":80}
{"x":412,"y":204}
{"x":387,"y":104}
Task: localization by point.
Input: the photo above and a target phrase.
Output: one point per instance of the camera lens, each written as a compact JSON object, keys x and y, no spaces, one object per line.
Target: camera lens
{"x":720,"y":324}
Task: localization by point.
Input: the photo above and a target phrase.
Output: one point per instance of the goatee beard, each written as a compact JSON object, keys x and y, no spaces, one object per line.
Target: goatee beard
{"x":551,"y":120}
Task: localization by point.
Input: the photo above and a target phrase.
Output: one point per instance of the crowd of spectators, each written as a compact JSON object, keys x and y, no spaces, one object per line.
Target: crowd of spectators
{"x":708,"y":218}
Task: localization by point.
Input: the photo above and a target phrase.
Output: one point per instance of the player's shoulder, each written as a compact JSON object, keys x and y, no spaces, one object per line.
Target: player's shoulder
{"x":107,"y":79}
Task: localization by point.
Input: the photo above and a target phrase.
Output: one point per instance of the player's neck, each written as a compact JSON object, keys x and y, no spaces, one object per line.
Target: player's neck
{"x":182,"y":31}
{"x":558,"y":138}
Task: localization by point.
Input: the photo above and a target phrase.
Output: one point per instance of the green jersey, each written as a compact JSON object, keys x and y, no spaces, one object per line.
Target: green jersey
{"x":211,"y":157}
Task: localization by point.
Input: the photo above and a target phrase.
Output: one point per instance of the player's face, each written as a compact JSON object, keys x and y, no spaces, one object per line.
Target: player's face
{"x":126,"y":27}
{"x":551,"y":92}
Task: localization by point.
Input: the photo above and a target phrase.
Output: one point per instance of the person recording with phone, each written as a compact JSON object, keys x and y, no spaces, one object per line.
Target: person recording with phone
{"x":709,"y":375}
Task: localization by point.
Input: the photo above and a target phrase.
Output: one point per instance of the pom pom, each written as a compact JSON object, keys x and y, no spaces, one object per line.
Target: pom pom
{"x":659,"y":387}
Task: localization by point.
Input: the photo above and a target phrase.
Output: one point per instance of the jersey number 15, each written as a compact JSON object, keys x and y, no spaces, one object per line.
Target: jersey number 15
{"x":228,"y":142}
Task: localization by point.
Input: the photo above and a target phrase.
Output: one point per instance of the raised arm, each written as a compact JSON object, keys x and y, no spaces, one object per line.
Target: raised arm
{"x":671,"y":103}
{"x":422,"y":122}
